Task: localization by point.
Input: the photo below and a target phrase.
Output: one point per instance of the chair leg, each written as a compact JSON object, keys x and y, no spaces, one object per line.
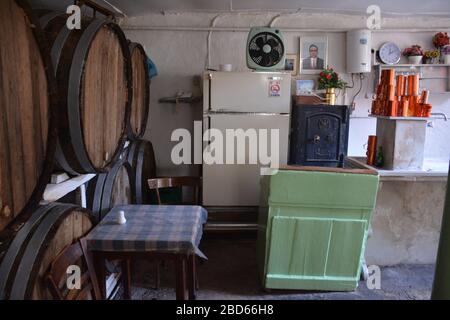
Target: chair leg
{"x":196,"y":274}
{"x":157,"y":280}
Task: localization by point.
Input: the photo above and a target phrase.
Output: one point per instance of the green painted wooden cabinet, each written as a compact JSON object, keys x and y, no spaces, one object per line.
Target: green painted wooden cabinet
{"x":313,"y":226}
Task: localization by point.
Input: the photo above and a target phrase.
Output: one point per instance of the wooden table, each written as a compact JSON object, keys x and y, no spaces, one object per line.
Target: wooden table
{"x":154,"y":233}
{"x":184,"y":265}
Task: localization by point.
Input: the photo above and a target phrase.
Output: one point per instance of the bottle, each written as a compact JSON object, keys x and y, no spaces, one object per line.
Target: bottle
{"x":379,"y":162}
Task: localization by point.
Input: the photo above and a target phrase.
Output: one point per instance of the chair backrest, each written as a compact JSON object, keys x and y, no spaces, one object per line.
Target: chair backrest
{"x":170,"y":182}
{"x":73,"y":255}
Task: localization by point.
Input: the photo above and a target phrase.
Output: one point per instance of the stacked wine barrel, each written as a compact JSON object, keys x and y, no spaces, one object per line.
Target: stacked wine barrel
{"x":141,"y":158}
{"x":93,"y":71}
{"x":141,"y":92}
{"x":37,"y":243}
{"x":107,"y":190}
{"x":69,"y":100}
{"x":139,"y":154}
{"x":28,"y":101}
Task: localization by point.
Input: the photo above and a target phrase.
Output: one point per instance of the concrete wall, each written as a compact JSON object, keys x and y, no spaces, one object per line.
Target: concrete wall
{"x":407,"y":220}
{"x":177,"y":43}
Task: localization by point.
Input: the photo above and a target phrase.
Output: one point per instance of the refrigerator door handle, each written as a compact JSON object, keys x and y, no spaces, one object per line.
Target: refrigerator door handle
{"x":209,"y":90}
{"x":209,"y":131}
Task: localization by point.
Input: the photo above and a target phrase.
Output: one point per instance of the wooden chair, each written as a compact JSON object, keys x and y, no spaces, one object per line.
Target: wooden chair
{"x":75,"y":254}
{"x":170,"y":182}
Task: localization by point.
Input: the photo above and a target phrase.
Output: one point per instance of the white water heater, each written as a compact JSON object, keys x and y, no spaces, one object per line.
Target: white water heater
{"x":359,"y":45}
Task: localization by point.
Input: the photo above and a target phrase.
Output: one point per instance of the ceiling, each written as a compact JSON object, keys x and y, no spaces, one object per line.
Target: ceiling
{"x":141,"y":7}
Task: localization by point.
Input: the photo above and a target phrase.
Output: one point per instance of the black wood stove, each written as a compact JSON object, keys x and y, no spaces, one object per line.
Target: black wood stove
{"x":318,"y":135}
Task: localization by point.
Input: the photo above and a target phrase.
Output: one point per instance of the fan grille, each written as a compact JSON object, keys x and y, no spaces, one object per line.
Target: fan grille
{"x":266,"y":49}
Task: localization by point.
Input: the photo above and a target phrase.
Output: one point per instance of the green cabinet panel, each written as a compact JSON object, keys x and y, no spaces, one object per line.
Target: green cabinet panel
{"x":312,"y":229}
{"x":316,"y":247}
{"x":344,"y":252}
{"x":295,"y":249}
{"x":323,"y":189}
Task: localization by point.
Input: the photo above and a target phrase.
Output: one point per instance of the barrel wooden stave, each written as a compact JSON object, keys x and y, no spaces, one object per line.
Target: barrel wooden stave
{"x":121,"y":192}
{"x":93,"y":70}
{"x":28,"y":97}
{"x":141,"y":92}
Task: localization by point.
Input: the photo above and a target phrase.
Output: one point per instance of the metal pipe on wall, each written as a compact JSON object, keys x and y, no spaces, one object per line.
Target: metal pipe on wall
{"x":284,"y":29}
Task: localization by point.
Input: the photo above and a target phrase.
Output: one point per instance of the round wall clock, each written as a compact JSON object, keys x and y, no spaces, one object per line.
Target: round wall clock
{"x":389,"y":53}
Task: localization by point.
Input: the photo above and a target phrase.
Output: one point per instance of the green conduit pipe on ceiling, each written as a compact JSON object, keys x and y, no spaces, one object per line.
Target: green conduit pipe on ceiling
{"x":441,"y":285}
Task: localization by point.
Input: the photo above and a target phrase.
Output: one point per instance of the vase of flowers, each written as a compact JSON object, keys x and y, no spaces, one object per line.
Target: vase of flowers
{"x":330,"y":81}
{"x":440,"y":41}
{"x":445,"y":54}
{"x":414,"y":54}
{"x":432,"y":56}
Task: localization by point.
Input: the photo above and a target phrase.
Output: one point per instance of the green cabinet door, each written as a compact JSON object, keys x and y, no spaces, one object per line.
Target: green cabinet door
{"x":312,"y":228}
{"x":314,"y":253}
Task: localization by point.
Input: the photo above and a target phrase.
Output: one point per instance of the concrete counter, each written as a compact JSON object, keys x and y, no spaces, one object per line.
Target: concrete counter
{"x":408,"y":212}
{"x":433,"y":170}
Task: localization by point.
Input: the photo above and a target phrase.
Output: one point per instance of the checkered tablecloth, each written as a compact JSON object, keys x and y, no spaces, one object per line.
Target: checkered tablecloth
{"x":150,"y":228}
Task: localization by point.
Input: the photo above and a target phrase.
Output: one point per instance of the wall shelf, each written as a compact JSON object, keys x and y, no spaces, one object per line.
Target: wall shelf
{"x":54,"y":192}
{"x":400,"y":118}
{"x":434,"y":77}
{"x":411,"y":66}
{"x":177,"y":100}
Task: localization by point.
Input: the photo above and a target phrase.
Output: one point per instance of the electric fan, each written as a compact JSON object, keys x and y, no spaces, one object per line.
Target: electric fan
{"x":265,"y":49}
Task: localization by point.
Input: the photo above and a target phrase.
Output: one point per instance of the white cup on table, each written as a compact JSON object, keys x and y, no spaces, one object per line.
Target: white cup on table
{"x":121,"y":217}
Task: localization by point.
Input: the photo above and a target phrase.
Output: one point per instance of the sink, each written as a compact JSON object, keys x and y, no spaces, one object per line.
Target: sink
{"x":431,"y":168}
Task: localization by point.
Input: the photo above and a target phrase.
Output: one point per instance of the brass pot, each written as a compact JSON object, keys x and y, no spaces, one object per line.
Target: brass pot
{"x":330,"y":96}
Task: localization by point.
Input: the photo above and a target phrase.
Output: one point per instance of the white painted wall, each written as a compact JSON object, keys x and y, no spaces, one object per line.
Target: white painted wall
{"x":179,"y":52}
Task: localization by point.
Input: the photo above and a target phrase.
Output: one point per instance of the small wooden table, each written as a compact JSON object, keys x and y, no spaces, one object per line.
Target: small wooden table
{"x":151,"y":232}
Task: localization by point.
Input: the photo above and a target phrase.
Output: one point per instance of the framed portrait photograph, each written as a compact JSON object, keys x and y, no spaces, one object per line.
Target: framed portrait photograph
{"x":291,"y":63}
{"x":313,"y":54}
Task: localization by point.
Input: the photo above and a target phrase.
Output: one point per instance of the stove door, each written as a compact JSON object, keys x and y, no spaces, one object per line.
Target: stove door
{"x":322,"y":137}
{"x":318,"y":135}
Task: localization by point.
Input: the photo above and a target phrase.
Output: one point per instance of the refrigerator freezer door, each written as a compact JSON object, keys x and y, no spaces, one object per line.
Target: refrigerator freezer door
{"x":239,"y":184}
{"x":266,"y":92}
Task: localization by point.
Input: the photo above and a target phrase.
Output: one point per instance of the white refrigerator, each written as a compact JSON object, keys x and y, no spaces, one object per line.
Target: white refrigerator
{"x":243,"y":100}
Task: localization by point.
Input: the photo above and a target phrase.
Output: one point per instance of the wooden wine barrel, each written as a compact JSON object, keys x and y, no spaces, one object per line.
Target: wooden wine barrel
{"x":93,"y":69}
{"x":141,"y":157}
{"x":107,"y":190}
{"x":48,"y":231}
{"x":141,"y":92}
{"x":27,"y":104}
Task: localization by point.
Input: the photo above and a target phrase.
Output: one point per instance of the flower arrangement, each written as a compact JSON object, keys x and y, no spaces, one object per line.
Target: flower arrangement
{"x":441,"y":39}
{"x":445,"y":50}
{"x":414,"y":50}
{"x":432,"y":54}
{"x":328,"y":79}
